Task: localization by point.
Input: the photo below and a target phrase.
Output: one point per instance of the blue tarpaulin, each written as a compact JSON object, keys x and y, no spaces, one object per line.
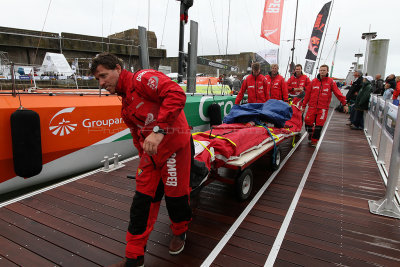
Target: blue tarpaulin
{"x":273,"y":111}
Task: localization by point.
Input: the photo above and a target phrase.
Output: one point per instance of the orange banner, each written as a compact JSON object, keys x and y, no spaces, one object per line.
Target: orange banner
{"x":271,"y":23}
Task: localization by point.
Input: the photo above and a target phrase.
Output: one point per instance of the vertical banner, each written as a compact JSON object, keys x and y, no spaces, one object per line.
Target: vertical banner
{"x":316,"y":37}
{"x":271,"y":22}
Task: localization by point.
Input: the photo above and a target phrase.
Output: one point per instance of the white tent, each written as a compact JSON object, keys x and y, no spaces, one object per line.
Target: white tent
{"x":57,"y":64}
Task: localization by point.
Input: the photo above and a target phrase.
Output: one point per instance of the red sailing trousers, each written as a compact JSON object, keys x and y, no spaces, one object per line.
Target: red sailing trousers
{"x":164,"y":172}
{"x":315,"y":117}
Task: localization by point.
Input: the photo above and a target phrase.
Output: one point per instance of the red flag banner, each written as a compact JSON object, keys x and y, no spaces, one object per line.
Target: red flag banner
{"x":316,"y":37}
{"x":271,"y":23}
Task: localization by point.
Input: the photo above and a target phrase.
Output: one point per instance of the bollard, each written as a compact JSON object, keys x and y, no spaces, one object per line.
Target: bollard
{"x":116,"y":160}
{"x":106,"y":163}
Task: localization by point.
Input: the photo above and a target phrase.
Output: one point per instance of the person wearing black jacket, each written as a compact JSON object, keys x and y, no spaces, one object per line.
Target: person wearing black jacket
{"x":355,"y":87}
{"x":377,"y":85}
{"x":353,"y":92}
{"x":391,"y":79}
{"x":361,"y":104}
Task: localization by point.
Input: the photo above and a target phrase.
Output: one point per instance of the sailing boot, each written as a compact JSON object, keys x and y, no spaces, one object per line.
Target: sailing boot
{"x":177,"y":244}
{"x":130,"y":262}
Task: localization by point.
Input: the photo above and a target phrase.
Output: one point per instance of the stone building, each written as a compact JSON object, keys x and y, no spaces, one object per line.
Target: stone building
{"x":26,"y":47}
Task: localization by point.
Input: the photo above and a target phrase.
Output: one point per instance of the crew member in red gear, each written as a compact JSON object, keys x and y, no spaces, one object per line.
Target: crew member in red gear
{"x":318,"y":97}
{"x":277,"y":86}
{"x":396,"y":92}
{"x":297,"y":84}
{"x":256,"y":86}
{"x":152,"y":107}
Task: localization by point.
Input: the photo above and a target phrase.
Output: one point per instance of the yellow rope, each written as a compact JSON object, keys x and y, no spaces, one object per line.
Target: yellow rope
{"x":274,"y":135}
{"x":216,"y":136}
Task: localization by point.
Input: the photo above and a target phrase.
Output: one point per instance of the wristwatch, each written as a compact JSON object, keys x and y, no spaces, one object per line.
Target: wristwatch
{"x":157,"y":129}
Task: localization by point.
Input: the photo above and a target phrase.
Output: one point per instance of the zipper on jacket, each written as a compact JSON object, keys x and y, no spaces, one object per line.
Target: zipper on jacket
{"x":319,"y":92}
{"x":255,"y":86}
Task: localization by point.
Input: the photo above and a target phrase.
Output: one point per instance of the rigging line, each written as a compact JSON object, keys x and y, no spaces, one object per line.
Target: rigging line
{"x":148,"y":15}
{"x":215,"y":28}
{"x":326,"y":30}
{"x":109,"y":33}
{"x":102,"y":25}
{"x":200,"y":33}
{"x":165,"y":19}
{"x":251,"y":26}
{"x":227,"y":30}
{"x":41,"y":34}
{"x":330,"y":50}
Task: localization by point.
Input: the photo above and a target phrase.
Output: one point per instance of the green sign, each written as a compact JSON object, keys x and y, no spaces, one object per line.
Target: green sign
{"x":196,"y":108}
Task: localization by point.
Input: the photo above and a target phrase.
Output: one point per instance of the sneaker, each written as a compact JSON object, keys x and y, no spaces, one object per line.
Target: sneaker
{"x":314,"y":143}
{"x":355,"y":127}
{"x":177,"y":244}
{"x":139,"y":262}
{"x":348,"y":124}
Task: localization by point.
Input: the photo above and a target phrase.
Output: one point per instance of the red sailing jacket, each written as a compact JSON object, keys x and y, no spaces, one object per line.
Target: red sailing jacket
{"x":319,"y":94}
{"x":277,"y":87}
{"x":396,"y":92}
{"x":256,"y":88}
{"x":150,"y":98}
{"x":296,"y":82}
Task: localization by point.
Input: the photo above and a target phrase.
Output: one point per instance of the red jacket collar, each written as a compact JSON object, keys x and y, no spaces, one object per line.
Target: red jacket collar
{"x":123,"y":82}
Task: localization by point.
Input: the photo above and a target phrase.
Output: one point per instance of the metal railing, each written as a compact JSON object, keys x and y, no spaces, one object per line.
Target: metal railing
{"x":382,"y":129}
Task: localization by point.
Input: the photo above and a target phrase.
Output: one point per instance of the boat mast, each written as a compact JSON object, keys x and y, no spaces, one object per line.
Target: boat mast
{"x":294,"y":39}
{"x":183,"y":18}
{"x":334,"y":52}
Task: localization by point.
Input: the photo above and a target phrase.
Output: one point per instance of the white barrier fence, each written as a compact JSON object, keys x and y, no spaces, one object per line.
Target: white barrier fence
{"x":382,"y":129}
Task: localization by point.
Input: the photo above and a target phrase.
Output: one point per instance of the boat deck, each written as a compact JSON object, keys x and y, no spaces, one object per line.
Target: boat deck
{"x":314,"y":212}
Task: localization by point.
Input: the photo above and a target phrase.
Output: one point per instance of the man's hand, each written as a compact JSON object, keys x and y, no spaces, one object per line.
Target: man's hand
{"x":151,"y":143}
{"x":302,"y":109}
{"x":346,"y":109}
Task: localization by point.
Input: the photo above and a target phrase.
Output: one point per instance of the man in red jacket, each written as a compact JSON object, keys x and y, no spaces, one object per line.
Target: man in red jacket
{"x":318,"y":97}
{"x":277,"y":87}
{"x":152,"y":107}
{"x":297,"y":84}
{"x":256,"y":86}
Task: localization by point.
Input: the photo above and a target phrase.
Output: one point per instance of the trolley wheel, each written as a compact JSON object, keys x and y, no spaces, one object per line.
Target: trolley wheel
{"x":275,"y":165}
{"x":244,"y":184}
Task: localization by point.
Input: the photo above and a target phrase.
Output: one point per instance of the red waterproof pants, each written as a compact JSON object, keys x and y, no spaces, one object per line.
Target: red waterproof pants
{"x":167,"y":173}
{"x":315,"y":117}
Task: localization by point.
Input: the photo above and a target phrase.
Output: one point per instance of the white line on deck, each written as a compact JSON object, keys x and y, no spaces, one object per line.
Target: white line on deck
{"x":282,"y":231}
{"x":31,"y":194}
{"x":246,"y":211}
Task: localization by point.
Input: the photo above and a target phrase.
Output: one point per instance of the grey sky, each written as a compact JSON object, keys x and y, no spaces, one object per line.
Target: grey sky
{"x":102,"y":17}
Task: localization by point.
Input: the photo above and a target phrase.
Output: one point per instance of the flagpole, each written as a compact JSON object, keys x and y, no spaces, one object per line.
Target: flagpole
{"x":334,"y":53}
{"x":325,"y":31}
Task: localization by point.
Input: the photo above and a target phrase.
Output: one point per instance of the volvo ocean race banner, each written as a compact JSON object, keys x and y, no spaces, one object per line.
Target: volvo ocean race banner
{"x":316,"y":37}
{"x":271,"y":22}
